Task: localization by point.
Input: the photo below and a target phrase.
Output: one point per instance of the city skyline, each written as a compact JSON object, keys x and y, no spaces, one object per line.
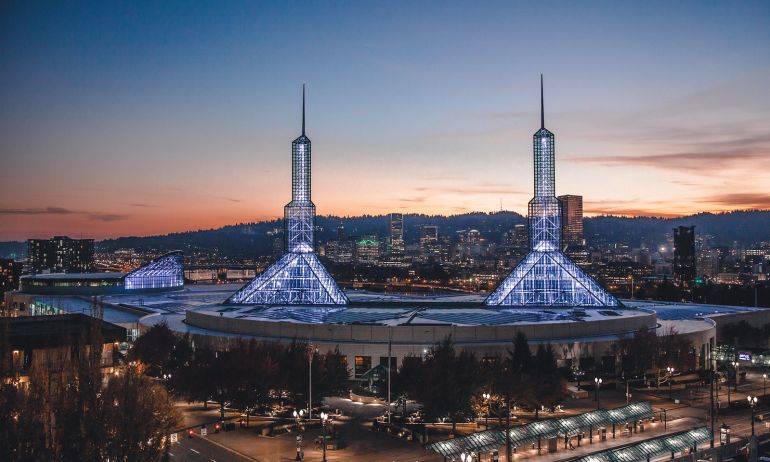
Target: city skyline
{"x":100,"y":140}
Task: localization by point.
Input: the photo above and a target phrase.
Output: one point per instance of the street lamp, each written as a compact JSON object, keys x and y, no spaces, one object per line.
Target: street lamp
{"x":598,"y":382}
{"x":735,"y":365}
{"x":298,"y":418}
{"x":324,"y":418}
{"x":670,"y":371}
{"x":764,"y":385}
{"x":578,"y":375}
{"x":487,"y":397}
{"x":753,"y":404}
{"x":312,"y":351}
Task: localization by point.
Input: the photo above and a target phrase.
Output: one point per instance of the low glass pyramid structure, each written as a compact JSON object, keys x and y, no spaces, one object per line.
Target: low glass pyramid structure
{"x":298,"y":277}
{"x":164,"y":272}
{"x":549,"y":279}
{"x":546,"y":276}
{"x":295,"y":279}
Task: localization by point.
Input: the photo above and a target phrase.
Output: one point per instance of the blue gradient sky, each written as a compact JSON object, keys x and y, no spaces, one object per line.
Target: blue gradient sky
{"x":122,"y":118}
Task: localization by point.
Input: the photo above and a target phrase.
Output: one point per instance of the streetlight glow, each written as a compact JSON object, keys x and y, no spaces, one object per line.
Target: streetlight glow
{"x":598,"y":382}
{"x":324,"y":418}
{"x":753,"y":403}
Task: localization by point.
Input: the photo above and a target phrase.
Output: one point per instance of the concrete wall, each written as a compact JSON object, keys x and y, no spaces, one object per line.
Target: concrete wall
{"x":570,"y":340}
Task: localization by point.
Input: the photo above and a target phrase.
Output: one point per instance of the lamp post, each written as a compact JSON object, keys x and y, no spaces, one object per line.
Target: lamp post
{"x":324,"y":418}
{"x":764,"y":385}
{"x":487,"y":397}
{"x":598,"y":382}
{"x":578,"y":375}
{"x":670,"y":371}
{"x":753,"y":404}
{"x":735,"y":365}
{"x":298,"y":419}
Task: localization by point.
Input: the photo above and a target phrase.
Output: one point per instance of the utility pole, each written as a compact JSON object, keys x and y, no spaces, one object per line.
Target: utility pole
{"x":508,"y":456}
{"x":627,"y":394}
{"x":310,"y":382}
{"x":712,"y":411}
{"x":390,"y":346}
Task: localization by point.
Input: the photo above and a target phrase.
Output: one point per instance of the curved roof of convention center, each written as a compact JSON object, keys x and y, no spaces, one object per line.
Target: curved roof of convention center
{"x":674,"y":311}
{"x":401,"y":309}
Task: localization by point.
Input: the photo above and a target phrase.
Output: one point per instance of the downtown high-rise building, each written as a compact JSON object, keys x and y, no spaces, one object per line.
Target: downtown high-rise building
{"x":367,"y":250}
{"x":397,"y":248}
{"x":572,"y":220}
{"x":430,"y":250}
{"x":707,"y":262}
{"x":684,"y":255}
{"x":60,"y":255}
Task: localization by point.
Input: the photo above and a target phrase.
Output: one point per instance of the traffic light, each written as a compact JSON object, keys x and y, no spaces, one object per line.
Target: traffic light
{"x":216,"y":428}
{"x":190,"y":433}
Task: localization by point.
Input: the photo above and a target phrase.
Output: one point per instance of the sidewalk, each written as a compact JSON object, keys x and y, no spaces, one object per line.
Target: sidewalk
{"x":358,"y":443}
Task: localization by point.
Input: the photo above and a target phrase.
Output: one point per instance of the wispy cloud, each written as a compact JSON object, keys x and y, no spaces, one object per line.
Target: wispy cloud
{"x":98,"y":216}
{"x":478,"y":188}
{"x":739,"y":200}
{"x":700,"y":162}
{"x":139,"y":204}
{"x":628,"y":208}
{"x":107,"y":217}
{"x":38,"y":211}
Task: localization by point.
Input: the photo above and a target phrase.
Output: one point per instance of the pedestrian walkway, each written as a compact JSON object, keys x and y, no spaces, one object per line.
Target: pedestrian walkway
{"x":655,"y":430}
{"x":549,"y":430}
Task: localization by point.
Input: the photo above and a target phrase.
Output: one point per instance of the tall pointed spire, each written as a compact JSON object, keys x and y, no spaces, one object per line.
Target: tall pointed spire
{"x":546,"y":276}
{"x":542,"y":111}
{"x":303,"y":107}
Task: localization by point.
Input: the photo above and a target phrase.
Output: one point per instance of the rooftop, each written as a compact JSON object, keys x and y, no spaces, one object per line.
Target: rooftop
{"x":75,"y":276}
{"x":382,"y":309}
{"x":52,"y":331}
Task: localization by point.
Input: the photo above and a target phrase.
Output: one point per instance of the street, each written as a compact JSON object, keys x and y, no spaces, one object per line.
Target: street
{"x":199,"y":449}
{"x":360,"y":442}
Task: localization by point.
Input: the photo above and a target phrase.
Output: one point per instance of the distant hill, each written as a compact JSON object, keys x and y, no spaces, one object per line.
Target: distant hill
{"x":254,"y":239}
{"x":744,"y":227}
{"x":248,"y":240}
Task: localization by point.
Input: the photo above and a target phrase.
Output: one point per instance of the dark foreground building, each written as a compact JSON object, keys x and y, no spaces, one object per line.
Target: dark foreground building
{"x":53,"y":342}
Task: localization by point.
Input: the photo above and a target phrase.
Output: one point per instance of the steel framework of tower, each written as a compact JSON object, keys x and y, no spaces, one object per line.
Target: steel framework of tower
{"x":298,"y":277}
{"x":546,"y":276}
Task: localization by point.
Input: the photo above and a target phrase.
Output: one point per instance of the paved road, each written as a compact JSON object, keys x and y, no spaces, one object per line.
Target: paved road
{"x":199,"y":449}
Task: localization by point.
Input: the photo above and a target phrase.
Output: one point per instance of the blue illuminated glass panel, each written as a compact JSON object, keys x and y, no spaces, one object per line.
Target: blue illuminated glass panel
{"x":164,"y":272}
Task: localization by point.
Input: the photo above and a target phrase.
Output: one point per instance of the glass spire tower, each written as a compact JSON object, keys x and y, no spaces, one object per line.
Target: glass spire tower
{"x":298,"y":277}
{"x":546,"y":276}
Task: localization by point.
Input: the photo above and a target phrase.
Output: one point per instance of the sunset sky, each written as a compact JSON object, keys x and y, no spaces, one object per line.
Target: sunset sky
{"x":137,"y":118}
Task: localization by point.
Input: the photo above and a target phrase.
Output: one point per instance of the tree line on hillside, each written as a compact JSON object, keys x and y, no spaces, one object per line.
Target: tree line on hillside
{"x":251,"y":240}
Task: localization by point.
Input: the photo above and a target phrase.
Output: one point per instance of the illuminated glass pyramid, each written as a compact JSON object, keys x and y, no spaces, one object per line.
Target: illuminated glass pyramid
{"x":546,"y":276}
{"x":298,"y":277}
